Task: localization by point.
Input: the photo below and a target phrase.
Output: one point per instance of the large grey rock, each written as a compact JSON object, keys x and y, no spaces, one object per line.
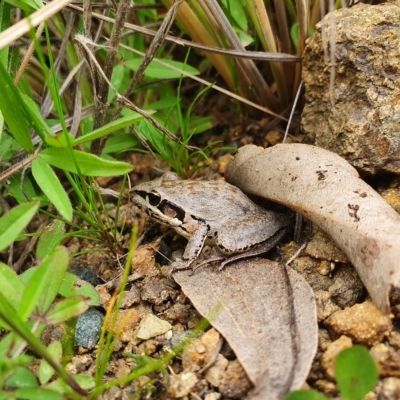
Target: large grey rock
{"x":359,"y":117}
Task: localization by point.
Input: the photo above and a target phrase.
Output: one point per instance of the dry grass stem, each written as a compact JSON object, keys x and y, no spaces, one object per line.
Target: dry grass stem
{"x":22,"y":27}
{"x":155,"y":45}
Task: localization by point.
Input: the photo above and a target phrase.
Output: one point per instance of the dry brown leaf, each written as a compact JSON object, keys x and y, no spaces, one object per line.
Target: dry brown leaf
{"x":270,"y":324}
{"x":326,"y":189}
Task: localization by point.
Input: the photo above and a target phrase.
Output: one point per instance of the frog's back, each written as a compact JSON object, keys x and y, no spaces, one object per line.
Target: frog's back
{"x":209,"y":200}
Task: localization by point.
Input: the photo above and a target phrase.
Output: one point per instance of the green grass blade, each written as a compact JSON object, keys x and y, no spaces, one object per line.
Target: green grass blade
{"x":4,"y":24}
{"x":52,"y":187}
{"x":12,"y":224}
{"x":89,"y":164}
{"x":157,"y":71}
{"x":110,"y":128}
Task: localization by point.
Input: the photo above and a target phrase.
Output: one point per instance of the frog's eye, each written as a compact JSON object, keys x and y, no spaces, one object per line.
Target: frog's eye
{"x":154,"y":198}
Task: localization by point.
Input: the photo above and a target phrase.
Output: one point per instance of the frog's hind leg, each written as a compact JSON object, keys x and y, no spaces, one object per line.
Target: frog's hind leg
{"x":206,"y":262}
{"x":256,"y":251}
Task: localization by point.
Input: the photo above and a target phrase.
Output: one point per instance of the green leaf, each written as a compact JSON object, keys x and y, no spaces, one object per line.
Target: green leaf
{"x":89,"y":164}
{"x":49,"y":239}
{"x":305,"y":395}
{"x":58,"y":263}
{"x":356,"y":373}
{"x":60,"y":139}
{"x":68,"y":308}
{"x":46,"y":371}
{"x":11,"y":285}
{"x":236,"y":11}
{"x":85,"y":381}
{"x":69,"y":288}
{"x":33,"y":291}
{"x":111,"y":127}
{"x":51,"y":187}
{"x":42,"y":287}
{"x":158,"y":71}
{"x":10,"y":105}
{"x":294,"y":34}
{"x":23,"y":191}
{"x":21,"y":378}
{"x":11,"y":363}
{"x":120,"y":142}
{"x":13,"y":223}
{"x":38,"y":394}
{"x":8,"y":146}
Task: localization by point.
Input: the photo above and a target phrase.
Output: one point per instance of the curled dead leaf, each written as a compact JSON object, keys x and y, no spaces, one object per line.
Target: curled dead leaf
{"x":326,"y":189}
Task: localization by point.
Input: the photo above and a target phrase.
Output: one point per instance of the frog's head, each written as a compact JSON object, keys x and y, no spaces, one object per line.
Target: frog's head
{"x":152,"y":198}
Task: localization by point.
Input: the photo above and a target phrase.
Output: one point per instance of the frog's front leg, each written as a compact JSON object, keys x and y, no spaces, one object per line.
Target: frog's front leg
{"x":193,"y":248}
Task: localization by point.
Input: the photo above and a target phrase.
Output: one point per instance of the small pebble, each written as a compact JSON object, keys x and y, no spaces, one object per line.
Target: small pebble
{"x":363,"y":323}
{"x":346,"y":288}
{"x":127,"y":321}
{"x":329,"y":357}
{"x":201,"y":351}
{"x":79,"y":364}
{"x":215,"y":373}
{"x":151,"y":326}
{"x":325,"y":305}
{"x":389,"y":389}
{"x":86,"y":274}
{"x":394,"y":339}
{"x":180,"y":385}
{"x":387,"y":359}
{"x":235,"y":383}
{"x":212,"y":396}
{"x":88,"y":328}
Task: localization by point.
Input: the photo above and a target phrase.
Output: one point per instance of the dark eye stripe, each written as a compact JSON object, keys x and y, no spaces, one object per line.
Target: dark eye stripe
{"x":141,"y":193}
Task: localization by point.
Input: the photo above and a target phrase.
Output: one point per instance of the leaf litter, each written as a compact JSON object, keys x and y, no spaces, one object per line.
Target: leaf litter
{"x":267,"y":314}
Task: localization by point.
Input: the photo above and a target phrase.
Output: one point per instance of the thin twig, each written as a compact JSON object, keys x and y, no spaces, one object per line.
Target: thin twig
{"x":292,"y":111}
{"x":101,"y":101}
{"x":28,"y":55}
{"x":16,"y":167}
